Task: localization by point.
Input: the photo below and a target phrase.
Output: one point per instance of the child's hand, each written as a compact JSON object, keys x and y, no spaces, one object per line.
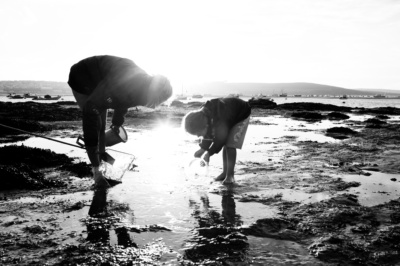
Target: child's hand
{"x":199,"y":153}
{"x":206,"y":158}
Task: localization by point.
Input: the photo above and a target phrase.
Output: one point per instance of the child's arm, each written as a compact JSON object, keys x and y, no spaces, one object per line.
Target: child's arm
{"x":215,"y":145}
{"x":199,"y":153}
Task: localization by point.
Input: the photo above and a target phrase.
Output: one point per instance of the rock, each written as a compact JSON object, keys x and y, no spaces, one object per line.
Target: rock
{"x":337,"y":116}
{"x":262,"y":103}
{"x":308,"y":115}
{"x":340,"y":132}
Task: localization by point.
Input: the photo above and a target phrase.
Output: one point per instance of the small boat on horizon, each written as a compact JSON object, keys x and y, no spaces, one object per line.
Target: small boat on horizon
{"x":198,"y":96}
{"x":47,"y":97}
{"x":261,"y":97}
{"x":181,"y":97}
{"x":379,"y":96}
{"x":15,"y":96}
{"x":344,"y":96}
{"x":30,"y":95}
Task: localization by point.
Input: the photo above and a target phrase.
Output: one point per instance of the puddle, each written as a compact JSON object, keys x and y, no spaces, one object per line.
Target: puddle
{"x":378,"y":188}
{"x":294,"y":195}
{"x":375,"y":189}
{"x":287,"y":127}
{"x":268,"y":251}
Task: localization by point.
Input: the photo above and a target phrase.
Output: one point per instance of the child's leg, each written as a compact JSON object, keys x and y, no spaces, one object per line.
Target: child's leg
{"x":235,"y":141}
{"x":222,"y":176}
{"x":231,"y":161}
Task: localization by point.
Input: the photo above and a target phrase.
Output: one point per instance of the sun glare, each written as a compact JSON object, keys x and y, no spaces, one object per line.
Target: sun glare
{"x":166,"y":136}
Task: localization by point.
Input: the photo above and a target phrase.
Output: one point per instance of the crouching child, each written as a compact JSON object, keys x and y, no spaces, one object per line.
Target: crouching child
{"x":222,"y":123}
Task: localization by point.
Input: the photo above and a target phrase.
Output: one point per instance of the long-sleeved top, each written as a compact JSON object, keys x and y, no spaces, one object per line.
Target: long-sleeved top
{"x":111,"y":83}
{"x":223,"y":114}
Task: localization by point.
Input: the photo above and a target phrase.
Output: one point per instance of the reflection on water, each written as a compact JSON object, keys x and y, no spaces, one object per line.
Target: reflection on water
{"x":375,"y":189}
{"x":98,"y":208}
{"x":201,"y":223}
{"x":229,"y":210}
{"x":217,"y":235}
{"x":98,"y":228}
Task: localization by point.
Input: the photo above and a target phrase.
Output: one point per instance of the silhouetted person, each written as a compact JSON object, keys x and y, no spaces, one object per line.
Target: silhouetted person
{"x":222,"y":123}
{"x":108,"y":82}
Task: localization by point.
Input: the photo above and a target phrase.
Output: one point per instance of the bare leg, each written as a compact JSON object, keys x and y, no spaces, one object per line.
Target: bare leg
{"x":225,"y":165}
{"x":99,"y":179}
{"x":231,"y":161}
{"x":102,"y":140}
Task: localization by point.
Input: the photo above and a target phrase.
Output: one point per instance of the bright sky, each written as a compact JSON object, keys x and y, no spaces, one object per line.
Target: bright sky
{"x":347,"y":43}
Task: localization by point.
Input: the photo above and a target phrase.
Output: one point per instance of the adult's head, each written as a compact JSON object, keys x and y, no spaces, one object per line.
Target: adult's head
{"x":160,"y":90}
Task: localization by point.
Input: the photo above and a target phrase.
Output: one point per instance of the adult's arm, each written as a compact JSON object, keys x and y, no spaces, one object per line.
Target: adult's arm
{"x":119,"y":116}
{"x":92,"y":122}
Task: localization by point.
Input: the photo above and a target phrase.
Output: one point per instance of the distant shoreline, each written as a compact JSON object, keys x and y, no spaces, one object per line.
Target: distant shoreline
{"x":4,"y":94}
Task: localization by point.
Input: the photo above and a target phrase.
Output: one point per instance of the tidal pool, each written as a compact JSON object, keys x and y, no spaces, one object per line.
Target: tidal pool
{"x":158,"y":191}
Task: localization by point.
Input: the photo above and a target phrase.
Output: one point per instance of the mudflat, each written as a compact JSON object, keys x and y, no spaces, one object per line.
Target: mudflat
{"x":320,"y":180}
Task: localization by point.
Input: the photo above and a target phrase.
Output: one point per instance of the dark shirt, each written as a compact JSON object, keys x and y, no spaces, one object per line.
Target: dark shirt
{"x":223,"y":114}
{"x":111,"y":83}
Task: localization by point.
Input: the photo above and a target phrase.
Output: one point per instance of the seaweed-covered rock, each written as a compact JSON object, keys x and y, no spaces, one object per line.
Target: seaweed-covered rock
{"x":262,"y":103}
{"x":11,"y":125}
{"x":177,"y":103}
{"x":22,"y":176}
{"x":340,"y":132}
{"x":380,"y":110}
{"x":39,"y":111}
{"x":384,"y":117}
{"x":337,"y":116}
{"x":22,"y":167}
{"x":308,"y":115}
{"x":375,"y":121}
{"x":314,"y":107}
{"x":35,"y":157}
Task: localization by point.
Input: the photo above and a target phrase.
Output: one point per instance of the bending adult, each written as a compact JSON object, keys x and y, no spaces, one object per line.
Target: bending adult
{"x":106,"y":82}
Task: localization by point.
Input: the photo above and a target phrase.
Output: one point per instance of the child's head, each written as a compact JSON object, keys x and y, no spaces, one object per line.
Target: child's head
{"x":195,"y":123}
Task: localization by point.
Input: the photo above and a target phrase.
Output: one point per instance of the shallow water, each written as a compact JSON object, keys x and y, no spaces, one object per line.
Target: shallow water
{"x":160,"y":191}
{"x":375,"y":189}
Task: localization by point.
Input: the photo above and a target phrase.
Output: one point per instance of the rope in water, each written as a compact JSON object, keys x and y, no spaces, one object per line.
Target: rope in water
{"x":59,"y":141}
{"x":41,"y":136}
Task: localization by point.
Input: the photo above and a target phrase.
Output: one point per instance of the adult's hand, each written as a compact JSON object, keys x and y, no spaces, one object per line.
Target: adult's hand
{"x":115,"y":129}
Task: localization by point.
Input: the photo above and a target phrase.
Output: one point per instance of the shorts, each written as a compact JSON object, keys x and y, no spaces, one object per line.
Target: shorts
{"x":237,"y":134}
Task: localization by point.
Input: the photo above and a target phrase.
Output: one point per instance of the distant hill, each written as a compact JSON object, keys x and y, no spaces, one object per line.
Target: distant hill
{"x":382,"y":91}
{"x":33,"y":86}
{"x":211,"y":88}
{"x":301,"y":88}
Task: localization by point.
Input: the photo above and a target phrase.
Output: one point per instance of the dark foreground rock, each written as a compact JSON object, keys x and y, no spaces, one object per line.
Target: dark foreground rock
{"x":23,"y":167}
{"x":339,"y":230}
{"x":340,"y":132}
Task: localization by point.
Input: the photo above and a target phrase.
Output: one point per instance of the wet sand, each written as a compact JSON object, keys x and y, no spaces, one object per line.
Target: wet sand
{"x":317,"y":191}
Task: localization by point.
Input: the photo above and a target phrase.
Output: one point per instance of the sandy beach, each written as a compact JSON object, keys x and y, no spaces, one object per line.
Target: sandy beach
{"x":316,"y":184}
